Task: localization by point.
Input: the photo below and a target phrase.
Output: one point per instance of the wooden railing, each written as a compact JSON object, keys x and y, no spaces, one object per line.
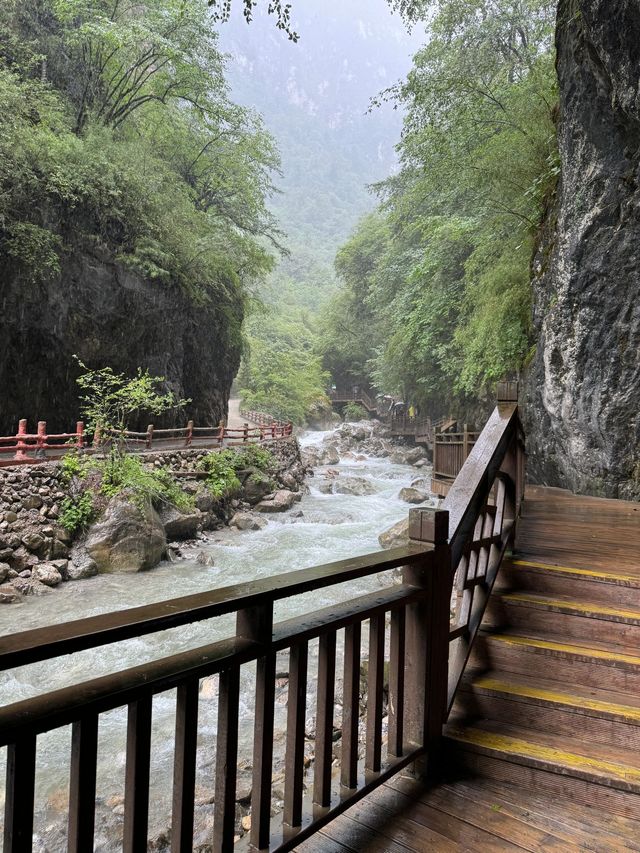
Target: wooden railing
{"x":262,"y":419}
{"x":28,"y":448}
{"x":450,"y":450}
{"x":405,"y":624}
{"x":354,"y":394}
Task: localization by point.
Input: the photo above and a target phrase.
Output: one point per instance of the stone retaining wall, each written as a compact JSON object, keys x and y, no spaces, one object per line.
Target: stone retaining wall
{"x":36,"y":552}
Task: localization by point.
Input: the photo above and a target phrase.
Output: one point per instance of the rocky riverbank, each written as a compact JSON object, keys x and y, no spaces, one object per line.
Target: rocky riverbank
{"x":38,"y":553}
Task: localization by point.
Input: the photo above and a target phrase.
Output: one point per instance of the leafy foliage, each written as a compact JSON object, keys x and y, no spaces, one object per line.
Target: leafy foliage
{"x":222,"y":479}
{"x":355,"y":412}
{"x":281,"y":373}
{"x":436,"y":286}
{"x":117,"y":131}
{"x":127,"y":475}
{"x":76,"y":513}
{"x":110,"y":399}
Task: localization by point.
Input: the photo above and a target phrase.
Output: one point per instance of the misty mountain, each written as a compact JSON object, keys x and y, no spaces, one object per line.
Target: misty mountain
{"x":315,"y":97}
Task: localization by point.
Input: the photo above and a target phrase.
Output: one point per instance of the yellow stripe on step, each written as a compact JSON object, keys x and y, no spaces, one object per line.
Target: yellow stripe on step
{"x":587,"y":607}
{"x":511,"y":745}
{"x":532,"y":692}
{"x":585,"y":651}
{"x":591,"y":573}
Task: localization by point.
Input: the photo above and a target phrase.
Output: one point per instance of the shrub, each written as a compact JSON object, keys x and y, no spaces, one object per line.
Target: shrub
{"x":76,"y":513}
{"x":355,"y":412}
{"x":128,"y":474}
{"x":255,"y":456}
{"x":222,"y":480}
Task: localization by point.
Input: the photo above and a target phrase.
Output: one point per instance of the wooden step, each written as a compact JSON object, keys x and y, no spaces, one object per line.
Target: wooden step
{"x":568,"y":709}
{"x":605,"y":586}
{"x":567,"y":617}
{"x":589,"y":773}
{"x":602,"y":665}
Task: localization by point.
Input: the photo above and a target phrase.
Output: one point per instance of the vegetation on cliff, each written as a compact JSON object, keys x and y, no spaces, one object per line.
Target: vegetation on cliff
{"x":436,"y":285}
{"x":117,"y":132}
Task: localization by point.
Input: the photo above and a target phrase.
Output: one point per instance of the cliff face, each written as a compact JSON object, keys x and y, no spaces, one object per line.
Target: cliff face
{"x":583,"y":388}
{"x":109,"y":316}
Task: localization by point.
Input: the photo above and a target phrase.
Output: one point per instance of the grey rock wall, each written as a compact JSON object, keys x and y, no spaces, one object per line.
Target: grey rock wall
{"x":109,"y":316}
{"x":583,"y":388}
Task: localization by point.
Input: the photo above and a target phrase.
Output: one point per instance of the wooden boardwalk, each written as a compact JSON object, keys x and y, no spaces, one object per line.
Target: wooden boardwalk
{"x":542,"y":749}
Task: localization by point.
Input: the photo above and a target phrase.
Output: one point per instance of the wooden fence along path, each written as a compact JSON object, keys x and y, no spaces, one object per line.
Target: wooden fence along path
{"x":29,"y":448}
{"x":405,"y":627}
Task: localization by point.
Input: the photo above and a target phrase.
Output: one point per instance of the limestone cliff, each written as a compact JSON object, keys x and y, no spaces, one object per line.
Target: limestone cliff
{"x":108,"y":315}
{"x":583,"y":388}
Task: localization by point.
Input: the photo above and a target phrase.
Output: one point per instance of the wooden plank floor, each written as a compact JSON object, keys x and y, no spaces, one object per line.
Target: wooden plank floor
{"x":471,"y":815}
{"x":560,"y":528}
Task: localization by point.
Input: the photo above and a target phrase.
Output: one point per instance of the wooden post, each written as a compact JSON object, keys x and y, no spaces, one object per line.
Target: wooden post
{"x":465,"y":442}
{"x":427,"y":637}
{"x":220,"y":433}
{"x":149,"y":441}
{"x":42,"y":435}
{"x":245,"y":434}
{"x":21,"y":443}
{"x":189,"y":435}
{"x":80,"y":434}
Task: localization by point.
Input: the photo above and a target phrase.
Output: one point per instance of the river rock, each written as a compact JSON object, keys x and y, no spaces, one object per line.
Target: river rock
{"x":396,"y":536}
{"x":412,"y":496}
{"x":329,"y":455}
{"x":33,"y":541}
{"x":398,"y":456}
{"x":30,"y":586}
{"x":357,"y":486}
{"x":21,"y":559}
{"x":46,"y":574}
{"x":128,"y":538}
{"x":179,"y":524}
{"x":415,"y":455}
{"x":81,"y":564}
{"x":256,"y":486}
{"x":247,"y":521}
{"x":8,"y":594}
{"x":282,"y":500}
{"x":5,"y":568}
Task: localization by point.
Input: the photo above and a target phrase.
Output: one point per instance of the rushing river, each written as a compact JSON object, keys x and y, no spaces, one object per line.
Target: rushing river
{"x":331,"y":527}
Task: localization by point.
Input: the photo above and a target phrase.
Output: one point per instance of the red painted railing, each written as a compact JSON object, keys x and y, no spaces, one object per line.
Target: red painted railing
{"x":29,"y":448}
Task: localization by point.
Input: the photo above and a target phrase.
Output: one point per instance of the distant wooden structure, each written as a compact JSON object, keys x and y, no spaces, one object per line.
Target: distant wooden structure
{"x":355,"y":394}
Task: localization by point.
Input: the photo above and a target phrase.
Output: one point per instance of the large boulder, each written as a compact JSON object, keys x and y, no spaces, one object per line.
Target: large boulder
{"x":179,"y":524}
{"x":256,"y":485}
{"x":357,"y":486}
{"x":247,"y":521}
{"x":128,"y":538}
{"x":46,"y":574}
{"x":280,"y":501}
{"x":416,"y":454}
{"x":396,"y":536}
{"x":81,"y":564}
{"x":9,"y":594}
{"x":412,"y":496}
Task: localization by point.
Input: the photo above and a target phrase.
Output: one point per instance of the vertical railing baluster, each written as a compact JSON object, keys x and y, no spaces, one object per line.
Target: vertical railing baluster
{"x":375,"y":690}
{"x":396,"y":682}
{"x":324,"y":719}
{"x":136,"y":790}
{"x":296,"y":718}
{"x":82,"y":787}
{"x":256,"y":624}
{"x":351,"y":705}
{"x":184,"y":766}
{"x":19,"y":796}
{"x":226,"y":761}
{"x":263,"y":752}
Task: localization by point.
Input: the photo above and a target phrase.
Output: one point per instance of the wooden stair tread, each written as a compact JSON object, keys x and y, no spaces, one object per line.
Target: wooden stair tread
{"x":568,"y":605}
{"x":608,"y":765}
{"x":614,"y":575}
{"x":578,"y":698}
{"x":612,"y":653}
